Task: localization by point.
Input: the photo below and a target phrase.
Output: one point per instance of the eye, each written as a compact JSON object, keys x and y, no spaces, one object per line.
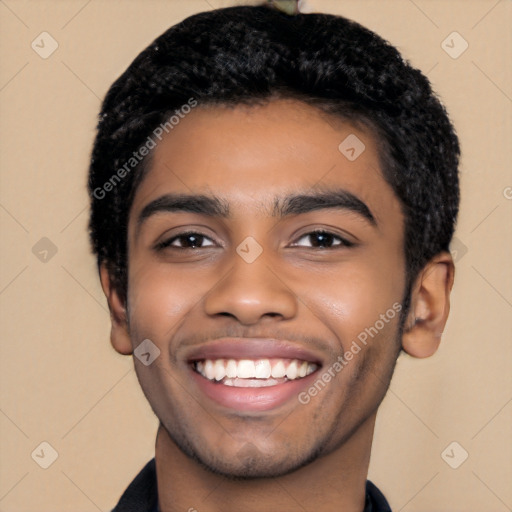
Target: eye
{"x":189,"y":240}
{"x":323,"y":240}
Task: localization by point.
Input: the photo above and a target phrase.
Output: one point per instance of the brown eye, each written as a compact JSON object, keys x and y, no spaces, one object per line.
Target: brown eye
{"x":323,"y":240}
{"x":190,"y":240}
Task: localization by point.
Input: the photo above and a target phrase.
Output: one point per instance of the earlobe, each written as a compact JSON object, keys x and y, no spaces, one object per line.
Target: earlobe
{"x":430,"y":306}
{"x":119,"y":334}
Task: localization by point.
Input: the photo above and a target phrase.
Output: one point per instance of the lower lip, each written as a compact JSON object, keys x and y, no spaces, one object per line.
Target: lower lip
{"x":252,"y":399}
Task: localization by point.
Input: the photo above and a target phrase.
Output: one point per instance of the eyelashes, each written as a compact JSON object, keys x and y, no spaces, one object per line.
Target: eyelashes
{"x":324,"y":236}
{"x":192,"y":236}
{"x":321,"y":239}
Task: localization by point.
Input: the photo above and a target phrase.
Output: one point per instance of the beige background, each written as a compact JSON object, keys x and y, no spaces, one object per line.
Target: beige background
{"x":61,"y":381}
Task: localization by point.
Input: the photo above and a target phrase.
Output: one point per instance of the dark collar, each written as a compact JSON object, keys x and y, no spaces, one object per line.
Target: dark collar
{"x":142,"y":496}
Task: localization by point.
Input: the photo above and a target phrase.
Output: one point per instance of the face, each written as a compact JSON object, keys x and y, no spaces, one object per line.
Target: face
{"x":273,"y":298}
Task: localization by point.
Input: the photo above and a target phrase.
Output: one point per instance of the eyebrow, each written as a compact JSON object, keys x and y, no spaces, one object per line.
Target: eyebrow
{"x":292,"y":204}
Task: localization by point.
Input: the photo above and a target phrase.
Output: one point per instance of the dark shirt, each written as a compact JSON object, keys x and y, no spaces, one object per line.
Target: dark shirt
{"x":142,"y":496}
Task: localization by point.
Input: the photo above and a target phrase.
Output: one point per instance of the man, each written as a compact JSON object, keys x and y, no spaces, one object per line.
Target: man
{"x":273,"y":195}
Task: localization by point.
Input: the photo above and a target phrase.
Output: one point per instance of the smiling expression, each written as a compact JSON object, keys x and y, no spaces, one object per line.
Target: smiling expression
{"x":258,"y":252}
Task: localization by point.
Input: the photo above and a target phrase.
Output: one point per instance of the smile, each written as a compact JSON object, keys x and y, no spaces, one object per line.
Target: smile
{"x":253,"y":373}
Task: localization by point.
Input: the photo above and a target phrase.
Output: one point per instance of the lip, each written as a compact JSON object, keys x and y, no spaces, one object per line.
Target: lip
{"x":251,"y":348}
{"x":252,"y":399}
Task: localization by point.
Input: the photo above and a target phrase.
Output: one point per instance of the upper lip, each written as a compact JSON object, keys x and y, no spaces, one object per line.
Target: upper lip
{"x":251,"y":348}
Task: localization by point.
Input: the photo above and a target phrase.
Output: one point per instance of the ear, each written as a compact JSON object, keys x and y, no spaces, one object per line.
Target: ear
{"x":119,"y":334}
{"x":430,"y":305}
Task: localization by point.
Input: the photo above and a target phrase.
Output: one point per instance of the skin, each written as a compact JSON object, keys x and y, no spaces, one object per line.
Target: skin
{"x":318,"y":297}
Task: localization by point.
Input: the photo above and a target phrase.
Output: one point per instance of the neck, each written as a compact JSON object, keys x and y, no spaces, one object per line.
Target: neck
{"x":332,"y":483}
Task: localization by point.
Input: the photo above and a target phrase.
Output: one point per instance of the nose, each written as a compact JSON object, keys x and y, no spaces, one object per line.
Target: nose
{"x":251,"y":291}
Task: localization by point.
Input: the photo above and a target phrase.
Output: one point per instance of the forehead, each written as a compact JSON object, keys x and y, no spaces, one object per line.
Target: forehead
{"x":252,"y":155}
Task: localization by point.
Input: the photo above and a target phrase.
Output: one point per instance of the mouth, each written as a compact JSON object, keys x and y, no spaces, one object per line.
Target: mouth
{"x":252,"y":375}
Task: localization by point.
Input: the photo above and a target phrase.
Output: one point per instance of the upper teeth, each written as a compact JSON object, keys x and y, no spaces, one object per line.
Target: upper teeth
{"x":218,"y":369}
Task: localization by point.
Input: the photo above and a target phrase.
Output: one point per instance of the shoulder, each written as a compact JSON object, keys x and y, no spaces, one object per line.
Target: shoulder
{"x":141,"y":495}
{"x":375,"y":500}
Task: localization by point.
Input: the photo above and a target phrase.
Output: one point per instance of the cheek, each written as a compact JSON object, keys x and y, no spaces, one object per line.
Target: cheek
{"x":158,"y":299}
{"x":352,"y":301}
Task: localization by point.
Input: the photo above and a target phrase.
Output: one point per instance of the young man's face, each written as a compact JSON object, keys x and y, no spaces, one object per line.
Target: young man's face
{"x":305,"y":297}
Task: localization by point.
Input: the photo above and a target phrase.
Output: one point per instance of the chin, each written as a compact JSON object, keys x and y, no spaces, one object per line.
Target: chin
{"x":249,"y":463}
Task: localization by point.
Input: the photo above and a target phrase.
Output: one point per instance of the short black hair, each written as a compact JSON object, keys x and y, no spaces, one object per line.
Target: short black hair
{"x":251,"y":55}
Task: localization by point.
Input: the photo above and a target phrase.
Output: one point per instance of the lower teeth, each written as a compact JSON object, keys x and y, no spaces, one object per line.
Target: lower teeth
{"x":251,"y":383}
